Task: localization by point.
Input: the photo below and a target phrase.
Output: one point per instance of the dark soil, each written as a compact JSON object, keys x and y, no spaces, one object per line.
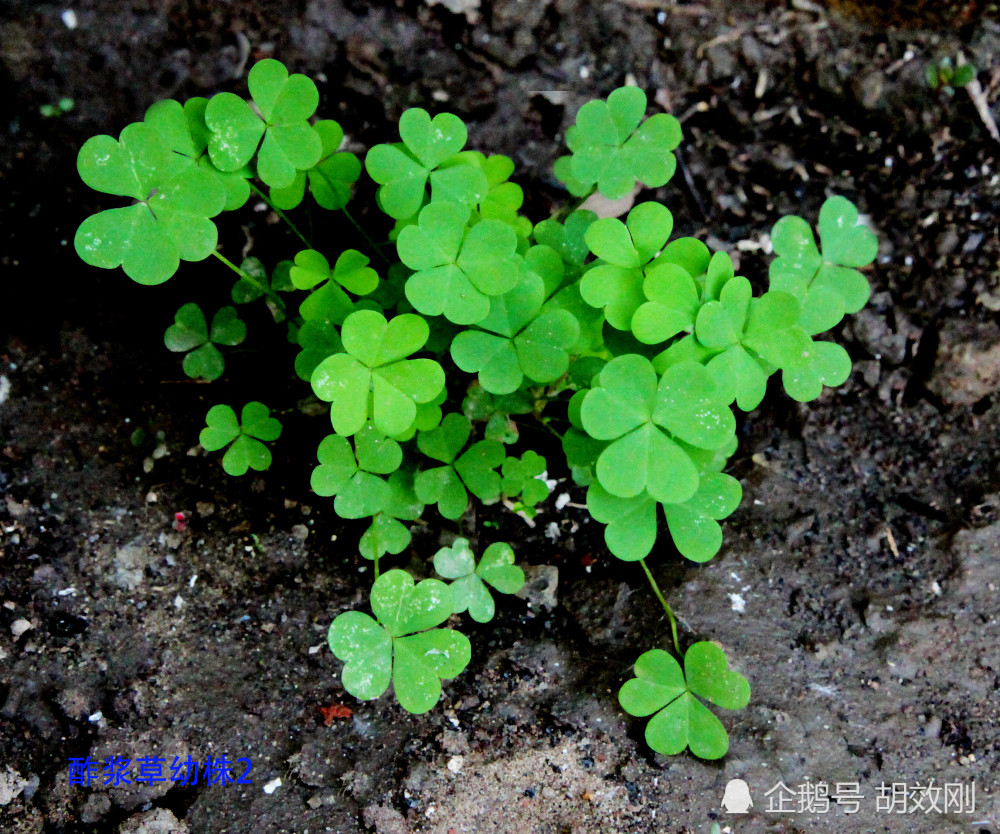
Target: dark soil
{"x":859,"y":583}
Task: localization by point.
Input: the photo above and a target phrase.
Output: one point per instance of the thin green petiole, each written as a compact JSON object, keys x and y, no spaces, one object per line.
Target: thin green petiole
{"x":357,"y":226}
{"x":350,"y":217}
{"x":280,"y":214}
{"x":666,"y":607}
{"x":250,"y":279}
{"x":376,"y":567}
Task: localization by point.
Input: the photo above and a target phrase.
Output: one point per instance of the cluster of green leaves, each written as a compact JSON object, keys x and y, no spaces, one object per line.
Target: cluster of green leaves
{"x":435,"y":350}
{"x":403,"y":644}
{"x":944,"y":75}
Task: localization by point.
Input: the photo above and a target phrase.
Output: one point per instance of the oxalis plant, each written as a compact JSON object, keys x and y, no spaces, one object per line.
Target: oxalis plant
{"x":440,"y":350}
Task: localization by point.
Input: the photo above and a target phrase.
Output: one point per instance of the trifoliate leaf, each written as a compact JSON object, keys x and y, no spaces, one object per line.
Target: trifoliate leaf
{"x":611,"y":149}
{"x":616,"y":285}
{"x":189,"y":332}
{"x":456,"y":270}
{"x":402,"y":170}
{"x":374,"y":652}
{"x":169,"y":221}
{"x":680,"y":719}
{"x":469,"y":592}
{"x":816,"y":280}
{"x":247,"y":451}
{"x":528,"y":343}
{"x":623,"y":406}
{"x":521,"y":477}
{"x":373,"y":380}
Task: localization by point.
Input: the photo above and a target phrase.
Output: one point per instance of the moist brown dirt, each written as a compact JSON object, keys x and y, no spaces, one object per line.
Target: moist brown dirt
{"x":859,"y":582}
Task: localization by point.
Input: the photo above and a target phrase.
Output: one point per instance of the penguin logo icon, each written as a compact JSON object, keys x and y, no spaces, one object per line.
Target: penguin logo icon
{"x":737,"y":799}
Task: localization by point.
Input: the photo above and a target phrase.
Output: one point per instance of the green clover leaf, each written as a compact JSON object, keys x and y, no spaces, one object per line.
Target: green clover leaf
{"x":694,"y":524}
{"x":183,"y":130}
{"x":351,"y":271}
{"x":680,"y":719}
{"x":671,"y":307}
{"x":631,"y":522}
{"x":247,"y":451}
{"x":468,"y":586}
{"x":402,"y":169}
{"x":755,"y":335}
{"x":616,"y":284}
{"x":473,"y":471}
{"x":330,"y":179}
{"x":611,"y":149}
{"x":354,"y":480}
{"x":190,"y":333}
{"x":457,"y":269}
{"x":628,"y":406}
{"x":521,"y":476}
{"x":257,"y":284}
{"x":290,"y":144}
{"x":399,"y":647}
{"x":373,"y":379}
{"x":827,"y":285}
{"x":169,"y":221}
{"x":524,"y":341}
{"x":823,"y":363}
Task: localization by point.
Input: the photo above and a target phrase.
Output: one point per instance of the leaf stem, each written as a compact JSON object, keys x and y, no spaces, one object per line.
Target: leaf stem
{"x":573,"y":205}
{"x":354,"y":222}
{"x":280,"y":214}
{"x":371,"y":243}
{"x":666,"y":607}
{"x":251,"y":280}
{"x":376,"y":567}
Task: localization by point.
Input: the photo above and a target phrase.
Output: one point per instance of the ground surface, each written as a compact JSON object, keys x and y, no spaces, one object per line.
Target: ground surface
{"x":859,"y":582}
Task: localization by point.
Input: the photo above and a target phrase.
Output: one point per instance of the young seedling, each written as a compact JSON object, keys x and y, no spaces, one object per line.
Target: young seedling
{"x":445,"y":354}
{"x":943,"y":75}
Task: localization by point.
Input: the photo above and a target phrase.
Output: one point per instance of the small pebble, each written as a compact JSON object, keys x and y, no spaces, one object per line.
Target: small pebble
{"x":18,"y":627}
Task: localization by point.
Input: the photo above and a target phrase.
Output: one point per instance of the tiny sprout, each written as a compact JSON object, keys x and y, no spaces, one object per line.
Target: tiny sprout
{"x":945,"y":76}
